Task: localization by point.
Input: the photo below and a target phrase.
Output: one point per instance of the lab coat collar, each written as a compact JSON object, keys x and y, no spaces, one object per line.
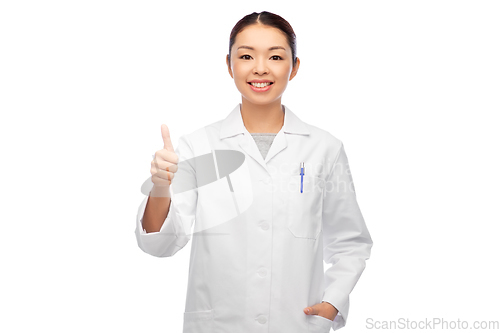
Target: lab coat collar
{"x":233,"y":125}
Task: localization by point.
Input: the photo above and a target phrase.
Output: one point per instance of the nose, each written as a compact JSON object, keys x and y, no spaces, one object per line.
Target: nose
{"x":261,"y":67}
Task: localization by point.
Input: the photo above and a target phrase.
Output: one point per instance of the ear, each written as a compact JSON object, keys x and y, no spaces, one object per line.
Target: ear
{"x":295,"y":69}
{"x":228,"y":67}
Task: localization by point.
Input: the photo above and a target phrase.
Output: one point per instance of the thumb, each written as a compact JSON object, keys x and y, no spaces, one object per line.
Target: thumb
{"x":311,"y":310}
{"x":165,"y":133}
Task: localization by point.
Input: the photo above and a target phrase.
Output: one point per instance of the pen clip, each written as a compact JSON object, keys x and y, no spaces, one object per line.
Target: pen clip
{"x":302,"y":172}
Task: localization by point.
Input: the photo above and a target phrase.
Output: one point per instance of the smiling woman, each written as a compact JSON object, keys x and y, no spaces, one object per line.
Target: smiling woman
{"x":257,"y":263}
{"x":262,"y":60}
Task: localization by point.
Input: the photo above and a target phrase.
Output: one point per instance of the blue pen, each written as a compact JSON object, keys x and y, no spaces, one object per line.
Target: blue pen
{"x":301,"y":175}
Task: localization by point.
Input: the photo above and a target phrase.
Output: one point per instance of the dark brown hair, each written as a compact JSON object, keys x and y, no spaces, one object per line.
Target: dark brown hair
{"x":269,"y":19}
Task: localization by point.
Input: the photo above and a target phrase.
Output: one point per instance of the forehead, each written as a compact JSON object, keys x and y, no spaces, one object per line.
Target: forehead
{"x":260,"y":37}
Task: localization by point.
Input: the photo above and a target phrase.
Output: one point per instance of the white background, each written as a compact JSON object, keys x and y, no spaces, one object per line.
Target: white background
{"x":410,"y":87}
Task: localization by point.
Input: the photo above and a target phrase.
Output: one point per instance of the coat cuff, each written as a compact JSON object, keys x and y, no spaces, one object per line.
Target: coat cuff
{"x":341,"y":302}
{"x":161,"y":243}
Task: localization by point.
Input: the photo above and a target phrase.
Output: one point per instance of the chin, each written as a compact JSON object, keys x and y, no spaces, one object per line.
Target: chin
{"x":260,"y":101}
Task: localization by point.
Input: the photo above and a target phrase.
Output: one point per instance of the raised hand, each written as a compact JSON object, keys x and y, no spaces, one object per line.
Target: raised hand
{"x":163,"y":165}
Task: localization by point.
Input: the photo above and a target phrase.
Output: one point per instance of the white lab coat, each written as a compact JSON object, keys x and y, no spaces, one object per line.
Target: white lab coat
{"x":258,"y":243}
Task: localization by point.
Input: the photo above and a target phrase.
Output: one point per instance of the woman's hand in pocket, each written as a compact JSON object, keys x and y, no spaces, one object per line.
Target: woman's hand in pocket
{"x":323,"y":309}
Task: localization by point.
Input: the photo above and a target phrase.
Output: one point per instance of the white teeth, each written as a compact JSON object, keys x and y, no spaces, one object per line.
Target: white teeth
{"x":260,"y":85}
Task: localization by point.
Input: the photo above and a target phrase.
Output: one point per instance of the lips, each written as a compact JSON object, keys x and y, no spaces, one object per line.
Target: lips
{"x":257,"y":89}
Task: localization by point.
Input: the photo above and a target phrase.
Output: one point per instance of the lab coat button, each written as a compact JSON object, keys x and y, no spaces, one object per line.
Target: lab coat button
{"x":264,"y":226}
{"x":262,"y":272}
{"x":266,"y":181}
{"x":262,"y":319}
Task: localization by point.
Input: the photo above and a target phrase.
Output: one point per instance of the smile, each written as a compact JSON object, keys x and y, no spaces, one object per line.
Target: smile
{"x":265,"y":86}
{"x":260,"y":85}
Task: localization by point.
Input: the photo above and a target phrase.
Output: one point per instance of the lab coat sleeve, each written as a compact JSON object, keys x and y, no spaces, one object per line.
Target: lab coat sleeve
{"x":346,"y":241}
{"x":174,"y":234}
{"x":338,"y":318}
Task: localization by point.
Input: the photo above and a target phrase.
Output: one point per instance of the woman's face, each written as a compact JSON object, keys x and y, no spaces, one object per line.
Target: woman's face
{"x":254,"y":57}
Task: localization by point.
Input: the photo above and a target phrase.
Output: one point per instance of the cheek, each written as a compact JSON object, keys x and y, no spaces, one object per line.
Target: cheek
{"x":240,"y":69}
{"x":282,"y":73}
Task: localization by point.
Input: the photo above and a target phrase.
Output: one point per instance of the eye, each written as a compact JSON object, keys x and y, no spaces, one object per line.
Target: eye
{"x":245,"y":55}
{"x":278,"y":57}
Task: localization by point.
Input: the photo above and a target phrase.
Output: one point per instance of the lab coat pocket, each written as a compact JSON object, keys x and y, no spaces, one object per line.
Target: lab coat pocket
{"x":304,"y":210}
{"x":319,"y":324}
{"x":198,"y":321}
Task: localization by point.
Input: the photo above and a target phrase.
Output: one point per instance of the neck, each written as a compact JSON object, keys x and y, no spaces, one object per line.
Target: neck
{"x":268,"y":118}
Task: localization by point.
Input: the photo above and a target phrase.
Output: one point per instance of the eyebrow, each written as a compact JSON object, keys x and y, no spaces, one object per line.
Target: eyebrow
{"x":270,"y":49}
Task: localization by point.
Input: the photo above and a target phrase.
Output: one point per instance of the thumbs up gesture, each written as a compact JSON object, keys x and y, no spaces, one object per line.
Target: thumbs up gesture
{"x":163,"y":166}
